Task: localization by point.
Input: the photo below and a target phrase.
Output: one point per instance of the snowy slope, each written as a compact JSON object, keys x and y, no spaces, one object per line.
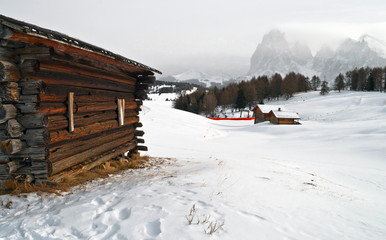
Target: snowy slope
{"x":324,"y":179}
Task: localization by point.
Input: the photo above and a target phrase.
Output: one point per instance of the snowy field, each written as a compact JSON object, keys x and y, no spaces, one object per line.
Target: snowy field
{"x":323,"y":179}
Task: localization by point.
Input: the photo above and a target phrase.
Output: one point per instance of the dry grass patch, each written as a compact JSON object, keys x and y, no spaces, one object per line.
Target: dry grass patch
{"x":64,"y":181}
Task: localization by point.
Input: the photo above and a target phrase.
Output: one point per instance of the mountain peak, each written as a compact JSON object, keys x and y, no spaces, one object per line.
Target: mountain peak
{"x":274,"y":35}
{"x":275,"y":55}
{"x":374,"y":44}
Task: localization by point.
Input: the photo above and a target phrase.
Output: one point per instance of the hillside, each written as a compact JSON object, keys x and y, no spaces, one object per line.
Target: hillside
{"x":323,"y":179}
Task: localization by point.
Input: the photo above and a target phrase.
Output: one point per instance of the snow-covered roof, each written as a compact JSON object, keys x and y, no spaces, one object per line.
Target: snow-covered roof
{"x":268,"y":108}
{"x":285,"y":114}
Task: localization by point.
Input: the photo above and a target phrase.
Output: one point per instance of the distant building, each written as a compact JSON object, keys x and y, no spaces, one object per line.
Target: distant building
{"x":283,"y":117}
{"x":261,"y":112}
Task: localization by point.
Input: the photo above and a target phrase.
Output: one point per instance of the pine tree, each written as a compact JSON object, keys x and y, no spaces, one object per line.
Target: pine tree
{"x":324,"y":88}
{"x":240,"y":101}
{"x":315,"y":82}
{"x":339,"y":82}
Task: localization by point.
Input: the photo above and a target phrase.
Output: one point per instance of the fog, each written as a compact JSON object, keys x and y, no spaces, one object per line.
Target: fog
{"x":211,"y":35}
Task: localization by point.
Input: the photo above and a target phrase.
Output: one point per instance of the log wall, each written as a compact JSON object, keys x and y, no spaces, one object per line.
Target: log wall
{"x":62,"y":106}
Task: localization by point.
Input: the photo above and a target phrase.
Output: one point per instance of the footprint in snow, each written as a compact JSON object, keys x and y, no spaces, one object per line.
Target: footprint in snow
{"x":153,"y":229}
{"x":97,"y":201}
{"x":124,"y":214}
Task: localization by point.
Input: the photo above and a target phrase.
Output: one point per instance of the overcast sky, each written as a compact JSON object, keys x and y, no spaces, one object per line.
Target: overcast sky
{"x":207,"y":35}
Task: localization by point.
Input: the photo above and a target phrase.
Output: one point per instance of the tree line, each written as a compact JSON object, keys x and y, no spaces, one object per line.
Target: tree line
{"x":245,"y":93}
{"x":362,"y":79}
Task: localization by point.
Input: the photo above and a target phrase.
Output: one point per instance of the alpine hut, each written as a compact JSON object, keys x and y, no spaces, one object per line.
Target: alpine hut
{"x":64,"y":102}
{"x":261,"y":112}
{"x":283,"y":117}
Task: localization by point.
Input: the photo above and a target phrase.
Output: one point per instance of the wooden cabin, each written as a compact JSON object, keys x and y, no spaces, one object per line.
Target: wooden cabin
{"x":64,"y":102}
{"x":283,"y":117}
{"x":261,"y":112}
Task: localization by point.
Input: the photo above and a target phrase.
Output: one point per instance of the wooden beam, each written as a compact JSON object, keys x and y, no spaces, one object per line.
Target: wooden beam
{"x":91,"y":153}
{"x":121,"y":111}
{"x":98,"y":160}
{"x":9,"y":92}
{"x":70,"y":105}
{"x":35,"y":40}
{"x":58,"y":93}
{"x":11,"y":146}
{"x":71,"y":67}
{"x":58,"y":152}
{"x":7,"y":111}
{"x":12,"y":128}
{"x":8,"y":72}
{"x":74,"y":80}
{"x":51,"y":108}
{"x":57,"y":122}
{"x":99,"y":127}
{"x":34,"y":120}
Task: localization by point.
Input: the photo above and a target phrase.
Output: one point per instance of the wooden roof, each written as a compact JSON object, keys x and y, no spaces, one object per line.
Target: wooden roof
{"x":12,"y":29}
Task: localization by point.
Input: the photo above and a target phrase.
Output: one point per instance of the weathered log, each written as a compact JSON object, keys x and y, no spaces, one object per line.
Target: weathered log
{"x":11,"y":44}
{"x":141,"y":86}
{"x":4,"y":159}
{"x":61,"y":108}
{"x":98,"y":160}
{"x":34,"y":167}
{"x":34,"y":53}
{"x":7,"y":111}
{"x":59,"y":78}
{"x":33,"y":150}
{"x":32,"y":87}
{"x":33,"y":157}
{"x":6,"y":54}
{"x":34,"y":120}
{"x":139,"y":133}
{"x":28,"y":67}
{"x":141,"y":148}
{"x":4,"y":172}
{"x":76,"y":52}
{"x":9,"y":92}
{"x":11,"y":146}
{"x":3,"y":135}
{"x":13,"y":166}
{"x":36,"y":137}
{"x":8,"y":72}
{"x":64,"y":135}
{"x":71,"y":67}
{"x":29,"y":98}
{"x":12,"y":128}
{"x":57,"y":122}
{"x":150,"y":79}
{"x":61,"y":151}
{"x":34,"y":50}
{"x":58,"y":93}
{"x":138,"y":125}
{"x":141,"y":95}
{"x":89,"y":154}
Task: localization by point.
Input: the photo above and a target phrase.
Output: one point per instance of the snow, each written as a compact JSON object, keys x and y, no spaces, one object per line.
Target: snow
{"x":285,"y":114}
{"x":266,"y":108}
{"x":324,"y":179}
